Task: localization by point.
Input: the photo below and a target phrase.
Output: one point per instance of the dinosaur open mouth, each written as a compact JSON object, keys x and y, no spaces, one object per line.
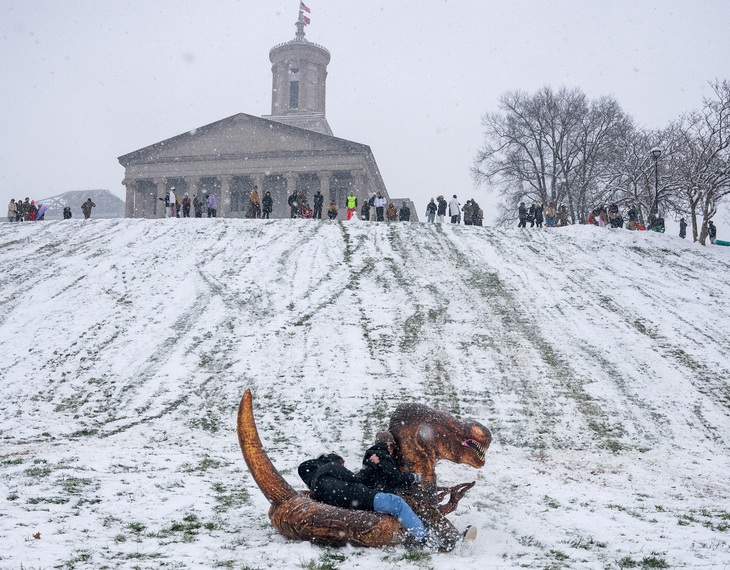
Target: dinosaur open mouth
{"x":475,"y":446}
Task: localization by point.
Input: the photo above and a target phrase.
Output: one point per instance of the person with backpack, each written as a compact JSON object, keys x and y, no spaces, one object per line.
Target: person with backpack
{"x":333,"y":484}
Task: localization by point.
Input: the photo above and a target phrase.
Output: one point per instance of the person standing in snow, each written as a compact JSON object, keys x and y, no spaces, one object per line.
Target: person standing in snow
{"x":550,"y":215}
{"x":12,"y":210}
{"x":332,"y":211}
{"x":538,"y":215}
{"x":454,"y":210}
{"x":441,"y":209}
{"x":404,"y":214}
{"x":67,"y":215}
{"x":86,"y":208}
{"x":186,"y":205}
{"x":477,"y":214}
{"x":711,"y":231}
{"x":212,"y":206}
{"x":391,"y":213}
{"x":198,"y":206}
{"x":293,"y":204}
{"x":170,"y":203}
{"x":365,"y":211}
{"x":523,"y":215}
{"x":254,"y":204}
{"x":431,"y":209}
{"x":41,"y":213}
{"x":468,"y":213}
{"x":563,"y":215}
{"x":379,"y":203}
{"x":267,"y":205}
{"x":633,"y":217}
{"x":351,"y":205}
{"x":318,"y":205}
{"x":682,"y":228}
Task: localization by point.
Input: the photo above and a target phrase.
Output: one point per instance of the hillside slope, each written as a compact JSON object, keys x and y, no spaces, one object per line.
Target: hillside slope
{"x":598,"y":358}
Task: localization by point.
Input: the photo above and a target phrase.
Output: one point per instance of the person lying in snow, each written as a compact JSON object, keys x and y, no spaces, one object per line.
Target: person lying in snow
{"x":332,"y":483}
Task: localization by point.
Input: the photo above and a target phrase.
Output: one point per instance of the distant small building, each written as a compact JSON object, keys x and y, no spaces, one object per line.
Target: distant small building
{"x":291,"y":149}
{"x":107,"y":204}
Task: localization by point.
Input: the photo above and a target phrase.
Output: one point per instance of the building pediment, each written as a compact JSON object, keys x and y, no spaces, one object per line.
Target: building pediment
{"x":240,"y":136}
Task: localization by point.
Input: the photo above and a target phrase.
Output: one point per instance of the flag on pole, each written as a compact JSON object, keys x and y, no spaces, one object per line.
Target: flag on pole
{"x":303,"y":19}
{"x":303,"y":8}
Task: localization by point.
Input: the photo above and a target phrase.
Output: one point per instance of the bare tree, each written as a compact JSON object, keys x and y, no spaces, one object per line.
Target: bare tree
{"x":550,"y":147}
{"x":701,"y":161}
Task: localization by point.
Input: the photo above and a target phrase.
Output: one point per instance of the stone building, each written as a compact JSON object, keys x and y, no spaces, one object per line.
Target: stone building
{"x":293,"y":148}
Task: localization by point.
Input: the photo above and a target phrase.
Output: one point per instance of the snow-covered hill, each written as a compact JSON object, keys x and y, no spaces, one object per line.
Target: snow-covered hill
{"x":598,"y":358}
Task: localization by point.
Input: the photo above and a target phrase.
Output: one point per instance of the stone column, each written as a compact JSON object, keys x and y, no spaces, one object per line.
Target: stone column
{"x":161,"y":184}
{"x":129,"y":203}
{"x":324,"y":187}
{"x":225,"y":206}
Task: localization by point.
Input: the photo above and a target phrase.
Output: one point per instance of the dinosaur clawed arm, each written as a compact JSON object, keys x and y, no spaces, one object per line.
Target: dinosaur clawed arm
{"x":455,"y":494}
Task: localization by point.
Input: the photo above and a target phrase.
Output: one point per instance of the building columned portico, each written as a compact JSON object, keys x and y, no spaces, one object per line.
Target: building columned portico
{"x":291,"y":149}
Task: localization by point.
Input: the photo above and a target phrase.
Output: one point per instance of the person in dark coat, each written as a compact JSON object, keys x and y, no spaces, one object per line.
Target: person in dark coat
{"x":332,"y":483}
{"x":682,"y":228}
{"x":441,"y":211}
{"x":198,"y":206}
{"x":538,"y":215}
{"x":431,"y":211}
{"x":292,"y":200}
{"x":523,"y":215}
{"x":318,"y":204}
{"x":379,"y":470}
{"x":365,"y":211}
{"x":404,"y":214}
{"x":712,"y":231}
{"x":267,"y":205}
{"x":86,"y":208}
{"x":332,"y":211}
{"x":67,"y":215}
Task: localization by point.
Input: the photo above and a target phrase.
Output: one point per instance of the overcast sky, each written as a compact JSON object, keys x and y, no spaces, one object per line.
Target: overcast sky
{"x":86,"y":81}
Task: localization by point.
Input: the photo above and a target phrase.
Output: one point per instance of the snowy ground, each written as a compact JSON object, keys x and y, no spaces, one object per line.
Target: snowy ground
{"x":598,"y":358}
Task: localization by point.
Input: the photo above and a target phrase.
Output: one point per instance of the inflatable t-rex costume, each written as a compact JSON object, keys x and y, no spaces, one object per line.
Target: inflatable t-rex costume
{"x":423,"y":437}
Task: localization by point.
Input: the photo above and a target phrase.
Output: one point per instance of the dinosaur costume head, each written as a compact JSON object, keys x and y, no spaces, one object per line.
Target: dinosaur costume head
{"x":425,"y":436}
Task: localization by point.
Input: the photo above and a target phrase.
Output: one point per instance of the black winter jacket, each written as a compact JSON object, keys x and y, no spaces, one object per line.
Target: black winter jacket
{"x":385,"y":475}
{"x":336,"y":485}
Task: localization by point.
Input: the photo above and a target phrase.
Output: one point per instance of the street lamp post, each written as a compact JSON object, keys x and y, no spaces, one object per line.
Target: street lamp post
{"x":656,"y":152}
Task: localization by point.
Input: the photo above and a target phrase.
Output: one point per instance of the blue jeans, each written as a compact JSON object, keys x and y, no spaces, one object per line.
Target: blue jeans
{"x":397,"y":507}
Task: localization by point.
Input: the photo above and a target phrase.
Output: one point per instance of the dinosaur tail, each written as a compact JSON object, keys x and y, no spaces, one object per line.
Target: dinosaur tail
{"x":269,"y":480}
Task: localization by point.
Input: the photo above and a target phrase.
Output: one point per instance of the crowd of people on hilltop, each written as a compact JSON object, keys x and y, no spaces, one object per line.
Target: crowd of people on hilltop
{"x":186,"y":207}
{"x":470,"y":213}
{"x":376,"y":208}
{"x":28,"y":211}
{"x":537,"y":214}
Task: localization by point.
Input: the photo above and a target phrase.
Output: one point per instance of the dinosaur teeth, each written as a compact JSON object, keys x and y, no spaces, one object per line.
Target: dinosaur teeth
{"x":475,"y":446}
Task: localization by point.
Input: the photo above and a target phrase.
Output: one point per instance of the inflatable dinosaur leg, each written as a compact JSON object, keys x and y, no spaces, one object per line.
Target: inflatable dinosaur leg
{"x":442,"y":533}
